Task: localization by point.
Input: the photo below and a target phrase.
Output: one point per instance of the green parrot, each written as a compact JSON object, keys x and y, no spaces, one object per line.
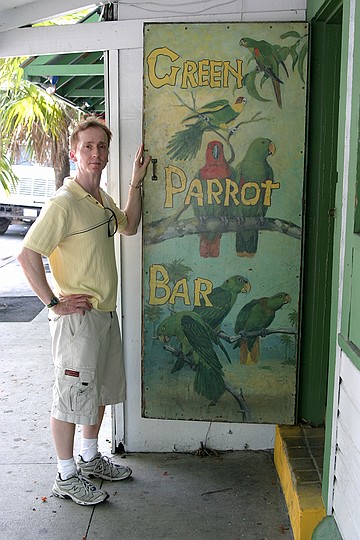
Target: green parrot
{"x":196,"y":339}
{"x":268,"y":61}
{"x":215,"y":167}
{"x":253,"y":168}
{"x":256,"y":316}
{"x":222,"y":298}
{"x":186,"y":144}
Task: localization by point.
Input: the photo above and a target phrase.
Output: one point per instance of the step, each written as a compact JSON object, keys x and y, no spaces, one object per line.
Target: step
{"x":298,"y":455}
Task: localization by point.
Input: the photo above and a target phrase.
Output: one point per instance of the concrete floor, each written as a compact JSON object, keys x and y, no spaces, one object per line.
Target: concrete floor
{"x":232,"y":496}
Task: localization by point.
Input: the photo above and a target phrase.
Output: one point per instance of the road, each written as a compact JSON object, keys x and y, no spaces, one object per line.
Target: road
{"x":12,"y":279}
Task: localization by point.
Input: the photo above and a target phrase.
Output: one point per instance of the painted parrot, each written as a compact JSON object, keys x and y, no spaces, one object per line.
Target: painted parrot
{"x":253,"y":168}
{"x":196,"y":339}
{"x":223,"y":299}
{"x":268,"y":60}
{"x":256,"y":316}
{"x":217,"y":167}
{"x":186,"y":144}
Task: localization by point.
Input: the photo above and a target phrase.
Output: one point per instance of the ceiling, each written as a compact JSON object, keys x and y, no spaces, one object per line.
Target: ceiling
{"x":77,"y":78}
{"x":18,"y":13}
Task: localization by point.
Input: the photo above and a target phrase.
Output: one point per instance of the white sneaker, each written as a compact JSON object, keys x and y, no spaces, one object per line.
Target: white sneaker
{"x":80,"y":490}
{"x":102,"y":467}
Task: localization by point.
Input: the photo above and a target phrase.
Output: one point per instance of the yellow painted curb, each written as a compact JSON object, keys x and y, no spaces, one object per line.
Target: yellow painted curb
{"x":304,"y":501}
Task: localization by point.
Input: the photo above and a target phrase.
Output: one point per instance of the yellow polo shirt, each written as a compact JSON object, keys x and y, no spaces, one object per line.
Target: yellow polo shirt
{"x":72,"y":230}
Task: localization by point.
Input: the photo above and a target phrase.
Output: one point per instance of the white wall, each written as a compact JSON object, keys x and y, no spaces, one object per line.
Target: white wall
{"x":165,"y":435}
{"x":346,"y":502}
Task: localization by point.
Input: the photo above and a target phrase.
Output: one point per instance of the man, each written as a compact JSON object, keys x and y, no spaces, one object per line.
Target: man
{"x":75,"y":231}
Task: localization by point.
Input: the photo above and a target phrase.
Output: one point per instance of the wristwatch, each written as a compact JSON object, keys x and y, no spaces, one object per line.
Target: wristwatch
{"x":53,"y":302}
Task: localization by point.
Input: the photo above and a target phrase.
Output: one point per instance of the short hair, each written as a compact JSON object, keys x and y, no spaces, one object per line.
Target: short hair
{"x":91,"y":121}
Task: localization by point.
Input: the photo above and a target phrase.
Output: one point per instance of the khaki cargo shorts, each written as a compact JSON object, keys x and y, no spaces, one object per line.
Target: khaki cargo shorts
{"x":89,"y":366}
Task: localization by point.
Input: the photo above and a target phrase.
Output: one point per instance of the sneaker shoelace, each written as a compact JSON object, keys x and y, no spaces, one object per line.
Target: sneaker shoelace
{"x":87,"y":485}
{"x":104,"y":465}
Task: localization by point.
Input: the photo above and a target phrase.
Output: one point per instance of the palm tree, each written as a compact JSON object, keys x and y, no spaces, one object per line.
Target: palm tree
{"x":176,"y":270}
{"x":8,"y":178}
{"x":33,"y":121}
{"x":153,"y":314}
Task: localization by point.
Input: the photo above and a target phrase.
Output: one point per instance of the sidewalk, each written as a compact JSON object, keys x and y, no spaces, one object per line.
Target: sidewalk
{"x":233,"y":496}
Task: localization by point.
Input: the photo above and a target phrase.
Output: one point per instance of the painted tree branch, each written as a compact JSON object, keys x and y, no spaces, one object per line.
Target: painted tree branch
{"x":261,"y":333}
{"x":237,"y":394}
{"x":171,"y":227}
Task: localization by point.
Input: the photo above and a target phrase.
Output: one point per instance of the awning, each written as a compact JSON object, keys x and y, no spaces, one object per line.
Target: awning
{"x":77,"y":78}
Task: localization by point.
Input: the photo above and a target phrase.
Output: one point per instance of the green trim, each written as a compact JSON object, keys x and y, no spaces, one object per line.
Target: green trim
{"x":321,"y":179}
{"x":82,"y":72}
{"x":339,"y":12}
{"x":323,"y":10}
{"x":327,"y":530}
{"x":350,"y":349}
{"x":68,"y":70}
{"x":91,"y":92}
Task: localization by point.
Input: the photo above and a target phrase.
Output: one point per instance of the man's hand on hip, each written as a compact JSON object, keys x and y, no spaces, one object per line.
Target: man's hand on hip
{"x":75,"y":303}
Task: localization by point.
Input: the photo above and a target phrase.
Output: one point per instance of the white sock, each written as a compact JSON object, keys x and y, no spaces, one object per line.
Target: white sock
{"x":88,"y":449}
{"x":66,"y":468}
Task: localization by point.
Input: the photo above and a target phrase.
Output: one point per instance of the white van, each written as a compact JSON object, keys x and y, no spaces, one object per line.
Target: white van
{"x":35,"y":187}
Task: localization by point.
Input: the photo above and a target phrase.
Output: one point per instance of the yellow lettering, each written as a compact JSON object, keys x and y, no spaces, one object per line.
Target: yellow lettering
{"x":189,"y":69}
{"x":214,"y":194}
{"x":170,"y":189}
{"x":180,"y":291}
{"x":195,"y":190}
{"x":157,"y":283}
{"x":202,"y":287}
{"x":269,"y":185}
{"x":252,"y":200}
{"x":236,"y":72}
{"x":231,"y":190}
{"x":170,"y":78}
{"x":203,"y":73}
{"x":215,"y":73}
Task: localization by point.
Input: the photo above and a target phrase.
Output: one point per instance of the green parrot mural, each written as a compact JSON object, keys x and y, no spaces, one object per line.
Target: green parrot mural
{"x":217,"y":114}
{"x":196,"y":339}
{"x":216,"y":167}
{"x":268,"y":61}
{"x":256,"y":316}
{"x":253,"y":168}
{"x":223,"y":299}
{"x":226,"y":120}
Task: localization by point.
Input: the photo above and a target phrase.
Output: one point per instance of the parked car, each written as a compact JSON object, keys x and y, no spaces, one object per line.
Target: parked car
{"x":35,"y":187}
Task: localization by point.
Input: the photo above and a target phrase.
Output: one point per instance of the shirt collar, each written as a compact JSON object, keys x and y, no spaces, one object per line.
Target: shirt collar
{"x":75,"y":188}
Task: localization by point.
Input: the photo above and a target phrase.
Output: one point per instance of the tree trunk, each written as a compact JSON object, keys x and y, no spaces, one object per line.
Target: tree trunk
{"x":62,"y":168}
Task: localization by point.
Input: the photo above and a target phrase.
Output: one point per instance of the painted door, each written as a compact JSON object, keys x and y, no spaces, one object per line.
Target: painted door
{"x":224,"y":117}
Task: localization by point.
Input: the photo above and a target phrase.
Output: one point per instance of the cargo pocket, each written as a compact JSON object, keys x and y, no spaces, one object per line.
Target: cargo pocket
{"x":75,"y":391}
{"x":83,"y":398}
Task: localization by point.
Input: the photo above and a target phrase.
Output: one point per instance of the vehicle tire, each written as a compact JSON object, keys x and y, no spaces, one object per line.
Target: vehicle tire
{"x":4,"y":224}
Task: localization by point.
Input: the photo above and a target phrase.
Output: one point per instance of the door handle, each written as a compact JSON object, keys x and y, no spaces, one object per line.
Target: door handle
{"x":154,"y":162}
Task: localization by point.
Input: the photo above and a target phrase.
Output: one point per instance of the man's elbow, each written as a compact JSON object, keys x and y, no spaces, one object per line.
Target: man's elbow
{"x":129,"y":231}
{"x":26,"y":255}
{"x":21,"y":257}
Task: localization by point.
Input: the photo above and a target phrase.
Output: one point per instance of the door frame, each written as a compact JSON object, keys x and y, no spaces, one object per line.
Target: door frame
{"x":321,"y":181}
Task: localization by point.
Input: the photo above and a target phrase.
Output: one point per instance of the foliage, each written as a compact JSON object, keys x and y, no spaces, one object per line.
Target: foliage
{"x":32,"y":121}
{"x":73,"y":18}
{"x":153,"y":314}
{"x":8,"y":178}
{"x":289,"y":342}
{"x":293,"y":318}
{"x":296,"y":51}
{"x":177,"y":270}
